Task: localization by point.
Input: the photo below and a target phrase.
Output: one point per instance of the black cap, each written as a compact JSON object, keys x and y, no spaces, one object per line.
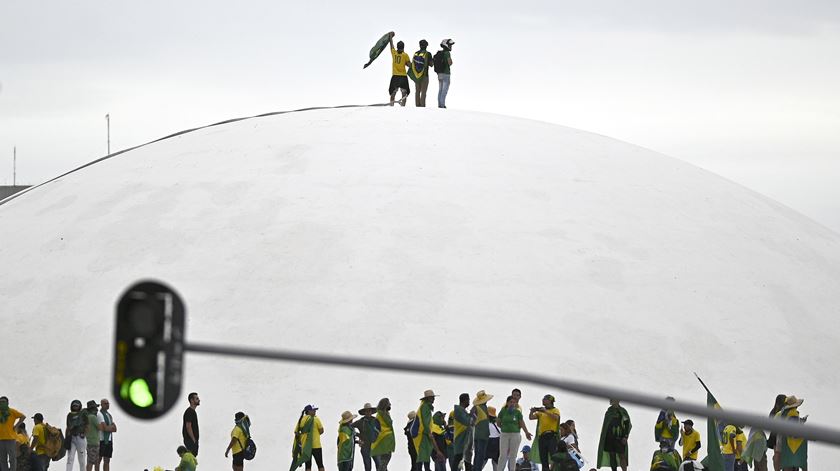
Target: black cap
{"x":38,"y":416}
{"x":92,"y":405}
{"x":689,"y":422}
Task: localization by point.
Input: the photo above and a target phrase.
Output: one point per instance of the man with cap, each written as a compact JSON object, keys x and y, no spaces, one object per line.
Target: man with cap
{"x":9,"y":419}
{"x":548,"y":428}
{"x":368,"y":427}
{"x":443,"y":72}
{"x":524,"y":463}
{"x":399,"y":77}
{"x":309,"y":431}
{"x":40,"y":460}
{"x":383,"y":447}
{"x":481,"y":435}
{"x":92,"y":435}
{"x":347,"y":439}
{"x":424,"y":441}
{"x":76,"y":427}
{"x":733,"y":441}
{"x":107,"y":427}
{"x":690,"y":441}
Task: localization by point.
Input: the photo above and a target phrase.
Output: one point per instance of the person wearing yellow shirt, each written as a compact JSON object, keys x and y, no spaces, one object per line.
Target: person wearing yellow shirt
{"x":399,"y":76}
{"x":690,"y":440}
{"x":548,"y":427}
{"x":40,"y":460}
{"x":238,"y":441}
{"x":317,"y":430}
{"x":9,"y":419}
{"x":734,"y":440}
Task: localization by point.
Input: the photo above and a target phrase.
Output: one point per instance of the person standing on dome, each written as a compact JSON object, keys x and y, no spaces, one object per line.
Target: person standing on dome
{"x":460,"y":421}
{"x":412,"y":451}
{"x":189,"y":424}
{"x":9,"y":419}
{"x":419,"y":72}
{"x":511,"y":423}
{"x":615,"y":431}
{"x":76,"y":426}
{"x":548,"y":428}
{"x":667,"y":426}
{"x":346,"y":441}
{"x":443,"y":64}
{"x":481,"y":437}
{"x":399,"y":77}
{"x":383,"y":447}
{"x":368,"y":427}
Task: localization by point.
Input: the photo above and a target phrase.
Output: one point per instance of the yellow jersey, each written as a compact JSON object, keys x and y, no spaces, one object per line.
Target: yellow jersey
{"x":39,"y":433}
{"x":689,"y":441}
{"x":731,"y":437}
{"x":240,"y":439}
{"x":316,"y":430}
{"x":400,"y":62}
{"x":546,"y":423}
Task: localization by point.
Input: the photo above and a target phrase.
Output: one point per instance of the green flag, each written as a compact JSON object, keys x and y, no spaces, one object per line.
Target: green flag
{"x":713,"y":460}
{"x":302,"y":449}
{"x":378,"y":48}
{"x":794,"y":450}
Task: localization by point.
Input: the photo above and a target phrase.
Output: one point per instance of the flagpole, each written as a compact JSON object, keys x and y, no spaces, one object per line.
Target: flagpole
{"x":701,"y":382}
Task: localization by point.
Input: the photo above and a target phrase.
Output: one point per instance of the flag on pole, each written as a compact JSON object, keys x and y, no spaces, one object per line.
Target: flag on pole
{"x":713,"y":460}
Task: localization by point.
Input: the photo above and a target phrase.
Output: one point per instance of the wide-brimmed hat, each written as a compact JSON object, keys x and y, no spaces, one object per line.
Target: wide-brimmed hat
{"x":481,"y":397}
{"x":347,"y":416}
{"x":367,"y":407}
{"x":491,"y":411}
{"x":92,"y":405}
{"x":428,"y":393}
{"x":412,"y":415}
{"x":793,"y":401}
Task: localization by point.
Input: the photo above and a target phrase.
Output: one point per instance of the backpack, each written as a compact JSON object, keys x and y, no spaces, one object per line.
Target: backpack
{"x":440,"y":61}
{"x":54,"y":442}
{"x":250,"y":449}
{"x":414,"y":428}
{"x":418,"y":62}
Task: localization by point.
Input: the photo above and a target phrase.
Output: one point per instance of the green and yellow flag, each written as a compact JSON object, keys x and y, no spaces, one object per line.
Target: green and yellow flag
{"x":422,"y":442}
{"x":304,"y":436}
{"x":378,"y":48}
{"x":794,"y":450}
{"x":713,"y":460}
{"x":384,"y":442}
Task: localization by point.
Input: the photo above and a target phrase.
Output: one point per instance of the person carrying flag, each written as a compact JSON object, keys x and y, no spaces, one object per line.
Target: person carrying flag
{"x":346,"y":441}
{"x":419,"y":73}
{"x":399,"y":77}
{"x":424,"y":440}
{"x":460,"y":421}
{"x":383,"y":447}
{"x":308,"y":440}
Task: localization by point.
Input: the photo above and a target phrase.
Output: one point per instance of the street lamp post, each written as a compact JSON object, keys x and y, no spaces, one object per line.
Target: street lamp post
{"x":108,"y":126}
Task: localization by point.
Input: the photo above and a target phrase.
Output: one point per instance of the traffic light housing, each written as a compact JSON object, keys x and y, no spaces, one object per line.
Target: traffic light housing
{"x":148,"y":350}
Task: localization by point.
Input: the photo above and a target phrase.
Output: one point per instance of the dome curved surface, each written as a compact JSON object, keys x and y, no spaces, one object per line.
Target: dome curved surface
{"x":450,"y":236}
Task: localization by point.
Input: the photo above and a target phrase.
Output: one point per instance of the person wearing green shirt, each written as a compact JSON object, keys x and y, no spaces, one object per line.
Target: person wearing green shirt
{"x":346,"y":449}
{"x":459,"y":420}
{"x":188,"y":461}
{"x":92,"y":435}
{"x":444,"y":72}
{"x":511,"y":422}
{"x":481,"y":436}
{"x":383,"y":447}
{"x":368,"y":427}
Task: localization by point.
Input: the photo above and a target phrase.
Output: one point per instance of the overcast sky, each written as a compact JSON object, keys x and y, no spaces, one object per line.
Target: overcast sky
{"x":747,"y":89}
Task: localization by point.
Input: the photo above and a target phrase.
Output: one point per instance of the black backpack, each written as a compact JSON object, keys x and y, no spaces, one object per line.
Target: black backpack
{"x":440,"y":61}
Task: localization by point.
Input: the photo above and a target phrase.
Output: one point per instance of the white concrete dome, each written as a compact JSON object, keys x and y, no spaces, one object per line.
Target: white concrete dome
{"x":450,"y":236}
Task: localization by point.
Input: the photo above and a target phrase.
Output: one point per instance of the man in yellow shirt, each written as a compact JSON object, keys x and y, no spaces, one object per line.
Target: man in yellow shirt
{"x":690,"y":440}
{"x":39,"y":444}
{"x":399,"y":78}
{"x":734,"y":440}
{"x":9,"y":419}
{"x":548,"y":428}
{"x":238,"y":441}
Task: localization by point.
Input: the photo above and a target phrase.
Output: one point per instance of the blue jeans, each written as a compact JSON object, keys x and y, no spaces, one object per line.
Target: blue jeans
{"x":728,"y":462}
{"x":479,"y":447}
{"x":443,"y":80}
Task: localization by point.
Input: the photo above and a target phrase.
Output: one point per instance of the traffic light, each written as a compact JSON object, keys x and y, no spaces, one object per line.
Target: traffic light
{"x":149,"y":350}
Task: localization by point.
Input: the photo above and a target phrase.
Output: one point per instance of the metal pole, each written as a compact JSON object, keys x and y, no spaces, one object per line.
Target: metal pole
{"x":14,"y":166}
{"x":784,"y":427}
{"x":108,"y":124}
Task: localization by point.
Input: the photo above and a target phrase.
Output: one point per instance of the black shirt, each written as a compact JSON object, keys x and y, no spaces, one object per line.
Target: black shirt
{"x":191,"y":417}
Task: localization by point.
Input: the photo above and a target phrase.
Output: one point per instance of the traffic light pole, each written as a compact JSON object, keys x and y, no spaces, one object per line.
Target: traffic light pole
{"x":781,"y":426}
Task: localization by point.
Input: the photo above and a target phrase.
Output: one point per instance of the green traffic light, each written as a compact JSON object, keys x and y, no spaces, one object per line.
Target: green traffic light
{"x":139,"y":393}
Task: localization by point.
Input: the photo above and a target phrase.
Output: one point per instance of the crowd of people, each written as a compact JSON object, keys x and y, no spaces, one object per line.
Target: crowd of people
{"x":470,"y":437}
{"x":418,"y":67}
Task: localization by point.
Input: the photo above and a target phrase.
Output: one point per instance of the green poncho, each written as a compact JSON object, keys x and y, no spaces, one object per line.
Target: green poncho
{"x":616,"y":425}
{"x":423,"y":442}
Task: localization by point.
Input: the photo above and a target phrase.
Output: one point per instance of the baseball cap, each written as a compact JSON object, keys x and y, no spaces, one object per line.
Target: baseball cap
{"x":309,"y":408}
{"x":38,"y":416}
{"x":526,"y":449}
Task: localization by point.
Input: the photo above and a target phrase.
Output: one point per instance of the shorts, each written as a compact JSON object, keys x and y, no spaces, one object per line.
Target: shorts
{"x":319,"y":459}
{"x":398,"y":81}
{"x":106,"y":449}
{"x":93,"y":454}
{"x":239,"y":458}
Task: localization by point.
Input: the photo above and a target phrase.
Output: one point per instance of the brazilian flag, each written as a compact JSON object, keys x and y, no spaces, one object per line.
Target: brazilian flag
{"x":420,"y":64}
{"x":422,"y":442}
{"x":794,"y":450}
{"x":302,"y":448}
{"x":713,"y":460}
{"x":378,"y":48}
{"x":384,"y":443}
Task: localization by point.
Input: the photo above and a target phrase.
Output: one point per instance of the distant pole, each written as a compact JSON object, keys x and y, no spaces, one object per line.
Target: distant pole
{"x":14,"y":166}
{"x":108,"y":125}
